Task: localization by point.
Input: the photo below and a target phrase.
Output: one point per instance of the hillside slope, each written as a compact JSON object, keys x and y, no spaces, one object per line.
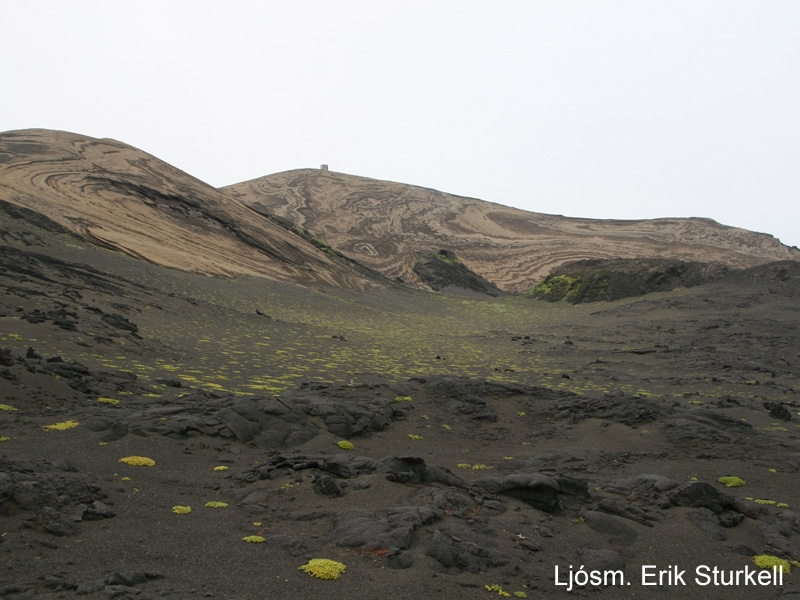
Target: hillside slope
{"x":119,"y":197}
{"x":385,"y":224}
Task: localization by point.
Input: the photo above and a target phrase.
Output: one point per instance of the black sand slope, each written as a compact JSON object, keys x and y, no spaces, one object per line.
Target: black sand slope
{"x":434,"y":444}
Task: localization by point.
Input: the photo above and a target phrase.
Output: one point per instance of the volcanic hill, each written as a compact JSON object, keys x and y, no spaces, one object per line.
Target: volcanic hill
{"x":116,"y":196}
{"x":386,"y":225}
{"x":197,"y":400}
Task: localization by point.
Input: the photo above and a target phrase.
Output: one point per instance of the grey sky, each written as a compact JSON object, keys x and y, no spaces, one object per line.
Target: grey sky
{"x":606,"y":109}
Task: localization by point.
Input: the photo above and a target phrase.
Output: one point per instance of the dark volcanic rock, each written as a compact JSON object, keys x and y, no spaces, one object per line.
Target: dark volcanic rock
{"x":707,"y":425}
{"x":778,"y":410}
{"x":708,"y":522}
{"x":626,"y":510}
{"x":701,"y":494}
{"x":6,"y":357}
{"x":453,"y":553}
{"x":601,"y":560}
{"x":776,"y":535}
{"x":62,"y":502}
{"x":600,"y":279}
{"x":618,"y":531}
{"x":120,"y":322}
{"x":382,"y":529}
{"x":399,"y":559}
{"x":616,"y":407}
{"x":327,"y":486}
{"x":539,"y":490}
{"x":442,"y":269}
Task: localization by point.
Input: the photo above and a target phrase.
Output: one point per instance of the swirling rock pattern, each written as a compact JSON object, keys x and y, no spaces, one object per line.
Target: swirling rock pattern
{"x":385,"y":224}
{"x":122,"y":198}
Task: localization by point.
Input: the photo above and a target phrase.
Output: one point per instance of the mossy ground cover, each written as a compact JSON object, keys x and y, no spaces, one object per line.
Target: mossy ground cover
{"x":251,"y":336}
{"x":691,"y":349}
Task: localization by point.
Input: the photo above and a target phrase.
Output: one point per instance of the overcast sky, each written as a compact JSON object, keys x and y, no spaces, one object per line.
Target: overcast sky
{"x":606,"y":109}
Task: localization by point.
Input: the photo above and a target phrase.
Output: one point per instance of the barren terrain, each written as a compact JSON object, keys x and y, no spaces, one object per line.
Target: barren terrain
{"x":454,"y":444}
{"x":385,"y":225}
{"x":119,"y":197}
{"x":537,"y":434}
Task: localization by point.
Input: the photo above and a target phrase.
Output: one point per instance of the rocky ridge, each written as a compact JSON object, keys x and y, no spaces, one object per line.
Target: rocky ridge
{"x":121,"y":198}
{"x":385,"y":224}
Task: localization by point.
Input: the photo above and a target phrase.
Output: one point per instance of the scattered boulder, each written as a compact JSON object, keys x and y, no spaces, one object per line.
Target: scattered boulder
{"x":701,"y":494}
{"x":612,"y":279}
{"x":452,"y":553}
{"x":619,"y":532}
{"x":708,"y":522}
{"x":777,"y":410}
{"x":616,"y":406}
{"x":61,"y":502}
{"x":601,"y":560}
{"x":539,"y":490}
{"x":707,"y":425}
{"x":442,"y":269}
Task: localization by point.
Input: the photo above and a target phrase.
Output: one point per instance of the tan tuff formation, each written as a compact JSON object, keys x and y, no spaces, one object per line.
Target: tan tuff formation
{"x":384,"y":224}
{"x":120,"y":197}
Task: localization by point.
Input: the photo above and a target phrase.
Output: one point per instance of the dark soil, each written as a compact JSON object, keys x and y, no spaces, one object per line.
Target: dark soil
{"x":443,"y":270}
{"x":494,"y":439}
{"x":614,"y":279}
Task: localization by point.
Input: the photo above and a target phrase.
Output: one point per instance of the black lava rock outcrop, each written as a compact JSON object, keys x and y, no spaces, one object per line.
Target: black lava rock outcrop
{"x":593,"y":280}
{"x":441,"y":270}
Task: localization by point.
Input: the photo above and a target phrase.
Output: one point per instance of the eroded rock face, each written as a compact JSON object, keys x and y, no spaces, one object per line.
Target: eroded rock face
{"x":593,"y":280}
{"x":443,"y":270}
{"x":116,"y":196}
{"x":385,"y":225}
{"x":61,"y":502}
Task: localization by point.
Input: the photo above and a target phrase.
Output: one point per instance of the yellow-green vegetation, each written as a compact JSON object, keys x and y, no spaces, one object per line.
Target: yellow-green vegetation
{"x":464,"y":466}
{"x":520,"y":594}
{"x":61,"y":426}
{"x":254,"y":539}
{"x":345,"y":445}
{"x":7,"y":407}
{"x":4,"y":438}
{"x":414,"y":436}
{"x":446,"y":427}
{"x":497,"y":590}
{"x":731,"y":481}
{"x":181,"y":510}
{"x":521,"y":413}
{"x":764,"y":502}
{"x":138,"y":461}
{"x":557,"y":287}
{"x":773,"y":427}
{"x":112,"y":401}
{"x":782,"y":505}
{"x":394,"y":348}
{"x":214,"y":504}
{"x":481,"y":467}
{"x":402,"y":399}
{"x":399,"y":341}
{"x":766,"y":561}
{"x":221,"y":468}
{"x":323,"y":568}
